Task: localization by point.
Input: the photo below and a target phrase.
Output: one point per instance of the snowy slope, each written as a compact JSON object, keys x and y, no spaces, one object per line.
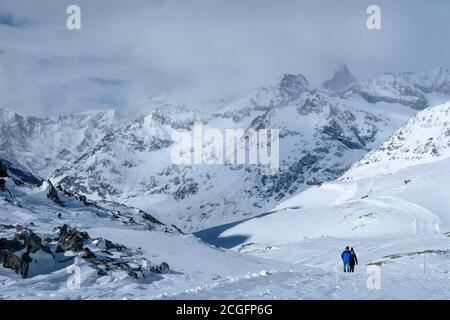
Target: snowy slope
{"x":45,"y":144}
{"x":380,"y":207}
{"x":397,"y":221}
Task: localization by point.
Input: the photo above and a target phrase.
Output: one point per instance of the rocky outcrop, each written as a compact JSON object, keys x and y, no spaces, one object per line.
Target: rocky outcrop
{"x":70,"y":239}
{"x":342,"y":78}
{"x":19,"y":244}
{"x":126,"y":214}
{"x":18,"y":173}
{"x":52,"y":194}
{"x":15,"y":252}
{"x":162,"y":268}
{"x":291,"y":86}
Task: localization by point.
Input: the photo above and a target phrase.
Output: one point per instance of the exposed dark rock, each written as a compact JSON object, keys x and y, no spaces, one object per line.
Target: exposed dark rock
{"x":4,"y":227}
{"x":150,"y":218}
{"x":10,"y":245}
{"x":335,"y":131}
{"x":88,"y":254}
{"x":3,"y":170}
{"x":53,"y":194}
{"x":30,"y":240}
{"x":101,"y":254}
{"x":18,"y":174}
{"x":70,"y":239}
{"x":11,"y":261}
{"x":24,"y":239}
{"x":162,"y":268}
{"x":185,"y":190}
{"x":292,"y":85}
{"x":108,"y":245}
{"x":135,"y":268}
{"x":174,"y":227}
{"x":25,"y":263}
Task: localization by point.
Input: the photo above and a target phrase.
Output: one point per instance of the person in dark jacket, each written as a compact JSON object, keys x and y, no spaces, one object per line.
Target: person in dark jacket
{"x":345,"y":256}
{"x":353,"y":260}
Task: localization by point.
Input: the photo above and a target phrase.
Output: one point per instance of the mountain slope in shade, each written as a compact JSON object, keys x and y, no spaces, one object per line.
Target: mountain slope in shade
{"x":45,"y":144}
{"x":341,"y":79}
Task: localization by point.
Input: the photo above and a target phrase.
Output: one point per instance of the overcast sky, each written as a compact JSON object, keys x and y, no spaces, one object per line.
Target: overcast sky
{"x":195,"y":50}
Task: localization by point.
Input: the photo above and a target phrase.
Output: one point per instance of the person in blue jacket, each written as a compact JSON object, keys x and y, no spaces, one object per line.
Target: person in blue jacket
{"x":346,"y":255}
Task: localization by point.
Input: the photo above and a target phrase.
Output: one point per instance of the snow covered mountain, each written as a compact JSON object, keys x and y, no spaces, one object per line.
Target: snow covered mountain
{"x":45,"y":144}
{"x":320,"y":137}
{"x":416,"y":90}
{"x":424,"y":139}
{"x":341,"y":79}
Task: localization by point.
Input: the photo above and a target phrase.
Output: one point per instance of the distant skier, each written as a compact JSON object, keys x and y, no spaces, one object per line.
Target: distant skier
{"x":346,"y":255}
{"x":353,"y":260}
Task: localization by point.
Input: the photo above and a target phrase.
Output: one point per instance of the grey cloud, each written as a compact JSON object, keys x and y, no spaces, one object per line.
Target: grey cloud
{"x":12,"y":21}
{"x":106,"y":82}
{"x":200,"y":49}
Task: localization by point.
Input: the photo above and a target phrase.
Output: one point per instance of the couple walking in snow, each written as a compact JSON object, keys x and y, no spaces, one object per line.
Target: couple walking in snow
{"x":349,"y":259}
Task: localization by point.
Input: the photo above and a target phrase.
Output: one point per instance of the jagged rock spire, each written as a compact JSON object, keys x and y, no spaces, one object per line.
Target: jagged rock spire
{"x":342,"y":78}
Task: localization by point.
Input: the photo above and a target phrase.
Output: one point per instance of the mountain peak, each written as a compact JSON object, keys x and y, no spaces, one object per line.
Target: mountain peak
{"x":342,"y":78}
{"x":290,"y":80}
{"x":292,"y":85}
